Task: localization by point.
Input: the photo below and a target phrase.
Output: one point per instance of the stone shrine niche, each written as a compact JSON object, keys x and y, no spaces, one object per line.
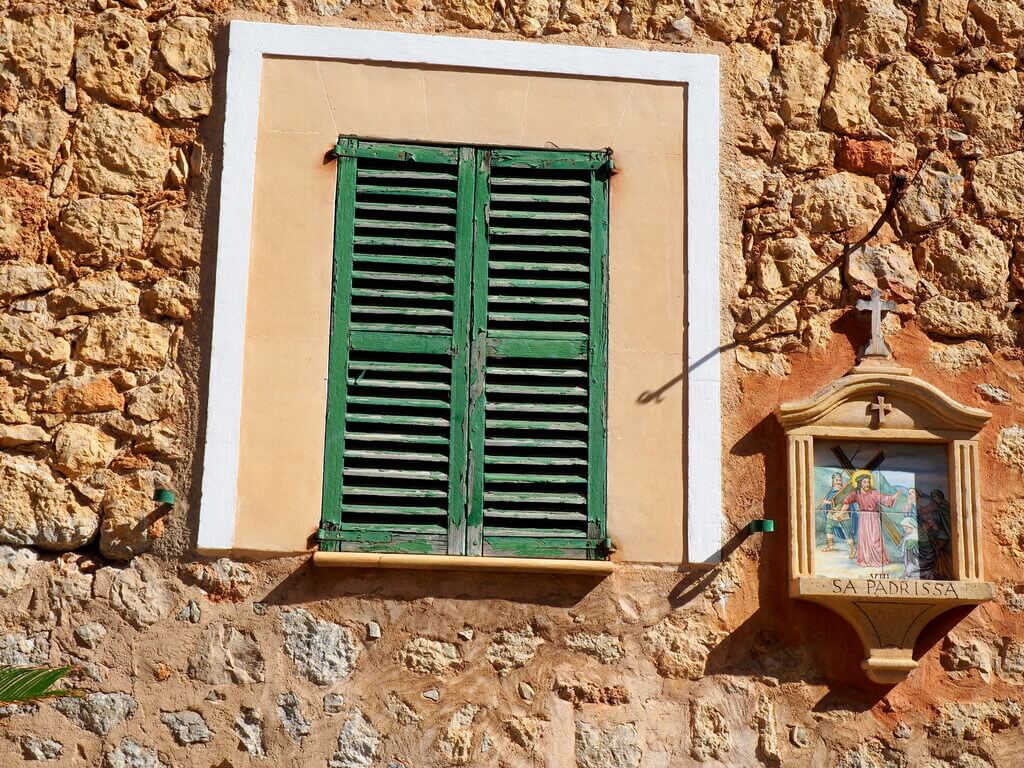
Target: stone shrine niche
{"x":885,"y":524}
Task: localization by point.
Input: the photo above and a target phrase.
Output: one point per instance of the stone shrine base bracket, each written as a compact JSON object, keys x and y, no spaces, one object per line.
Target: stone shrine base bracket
{"x":889,"y":614}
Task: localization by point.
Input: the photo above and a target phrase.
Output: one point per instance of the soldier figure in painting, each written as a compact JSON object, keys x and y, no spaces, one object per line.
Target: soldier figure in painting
{"x":870,"y":546}
{"x":834,"y":526}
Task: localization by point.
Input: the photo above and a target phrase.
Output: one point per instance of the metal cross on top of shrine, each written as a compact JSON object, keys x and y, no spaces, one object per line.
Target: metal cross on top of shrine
{"x":877,"y":347}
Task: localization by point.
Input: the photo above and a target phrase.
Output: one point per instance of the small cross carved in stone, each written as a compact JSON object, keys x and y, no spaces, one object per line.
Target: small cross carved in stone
{"x":881,"y":407}
{"x":877,"y":346}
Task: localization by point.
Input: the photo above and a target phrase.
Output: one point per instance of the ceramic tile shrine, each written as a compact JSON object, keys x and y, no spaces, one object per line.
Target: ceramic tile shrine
{"x":884,"y":503}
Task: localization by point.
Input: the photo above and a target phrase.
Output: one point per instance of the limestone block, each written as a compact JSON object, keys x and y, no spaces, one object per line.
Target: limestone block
{"x":1002,"y":20}
{"x":30,"y":137}
{"x":940,"y":25}
{"x":933,"y":197}
{"x":1010,"y":446}
{"x":902,"y":94}
{"x":427,"y":656}
{"x":869,"y":157}
{"x":469,"y":13}
{"x":80,"y":449}
{"x":752,"y":69}
{"x":127,"y":528}
{"x":617,"y":746}
{"x":82,"y":394}
{"x":961,"y":319}
{"x":725,"y":19}
{"x":187,"y":47}
{"x":806,"y":21}
{"x":28,"y":342}
{"x":131,"y":754}
{"x":16,"y":565}
{"x":120,"y":153}
{"x":999,"y":185}
{"x":710,"y":736}
{"x":803,"y":77}
{"x":845,"y":107}
{"x":126,"y":341}
{"x":225,"y":654}
{"x":187,"y":727}
{"x":249,"y":729}
{"x":795,"y":260}
{"x":160,"y":397}
{"x":23,"y":214}
{"x":603,"y":647}
{"x":988,"y":103}
{"x":511,"y":649}
{"x":112,"y":62}
{"x":172,"y":298}
{"x":887,"y":267}
{"x":871,"y":29}
{"x":681,"y":646}
{"x":293,"y":720}
{"x":968,"y":261}
{"x":98,"y":713}
{"x":837,"y":202}
{"x":15,"y":435}
{"x":140,"y":595}
{"x":41,"y":47}
{"x":40,"y":749}
{"x":100,"y":291}
{"x":805,"y":150}
{"x":358,"y":743}
{"x":959,"y":357}
{"x":175,"y":244}
{"x":322,"y":651}
{"x":184,"y":102}
{"x":100,"y":231}
{"x":20,"y":278}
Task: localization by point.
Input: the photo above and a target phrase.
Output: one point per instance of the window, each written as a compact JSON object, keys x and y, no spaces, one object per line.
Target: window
{"x":468,"y":356}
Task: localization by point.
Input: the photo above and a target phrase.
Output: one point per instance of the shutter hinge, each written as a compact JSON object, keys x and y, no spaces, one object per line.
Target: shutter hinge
{"x":339,"y":150}
{"x":602,"y":545}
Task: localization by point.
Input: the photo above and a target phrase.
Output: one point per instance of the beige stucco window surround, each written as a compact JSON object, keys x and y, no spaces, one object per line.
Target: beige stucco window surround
{"x":291,"y":91}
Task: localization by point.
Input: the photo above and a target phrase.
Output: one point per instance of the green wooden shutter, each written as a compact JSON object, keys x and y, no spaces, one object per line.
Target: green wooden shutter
{"x":538,"y":365}
{"x":395,"y":455}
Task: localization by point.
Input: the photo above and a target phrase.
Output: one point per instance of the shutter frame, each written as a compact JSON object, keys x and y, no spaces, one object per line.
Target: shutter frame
{"x":470,"y":346}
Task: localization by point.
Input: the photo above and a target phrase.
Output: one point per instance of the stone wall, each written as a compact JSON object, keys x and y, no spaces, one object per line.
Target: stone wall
{"x":108,"y":142}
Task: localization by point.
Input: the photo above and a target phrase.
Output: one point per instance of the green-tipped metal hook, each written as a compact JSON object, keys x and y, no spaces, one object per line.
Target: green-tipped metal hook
{"x":761,"y":526}
{"x":163,"y":495}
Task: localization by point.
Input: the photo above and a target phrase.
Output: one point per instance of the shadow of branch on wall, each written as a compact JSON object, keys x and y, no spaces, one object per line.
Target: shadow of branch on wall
{"x":898,"y":186}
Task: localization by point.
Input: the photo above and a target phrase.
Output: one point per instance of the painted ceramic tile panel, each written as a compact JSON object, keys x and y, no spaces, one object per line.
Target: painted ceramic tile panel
{"x":882,"y":510}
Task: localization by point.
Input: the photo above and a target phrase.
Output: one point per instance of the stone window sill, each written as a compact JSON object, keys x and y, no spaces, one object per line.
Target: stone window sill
{"x":599,"y":568}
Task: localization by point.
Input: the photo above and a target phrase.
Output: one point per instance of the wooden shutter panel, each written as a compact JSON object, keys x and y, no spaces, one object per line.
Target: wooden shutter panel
{"x":539,"y":359}
{"x":394,"y":477}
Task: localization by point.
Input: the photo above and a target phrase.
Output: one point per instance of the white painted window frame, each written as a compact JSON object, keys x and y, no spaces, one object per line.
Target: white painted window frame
{"x":250,"y":42}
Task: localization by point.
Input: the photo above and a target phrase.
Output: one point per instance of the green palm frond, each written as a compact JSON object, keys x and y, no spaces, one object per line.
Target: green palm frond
{"x":21,"y":685}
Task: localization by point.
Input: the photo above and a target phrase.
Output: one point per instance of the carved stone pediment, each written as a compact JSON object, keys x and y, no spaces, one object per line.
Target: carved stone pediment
{"x":884,"y":507}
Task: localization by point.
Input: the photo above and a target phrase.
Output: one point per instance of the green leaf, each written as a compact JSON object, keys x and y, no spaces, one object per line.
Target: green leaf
{"x":21,"y":685}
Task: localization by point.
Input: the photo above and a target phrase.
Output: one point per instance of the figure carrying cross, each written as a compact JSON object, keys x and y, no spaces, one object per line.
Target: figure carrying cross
{"x":877,"y":347}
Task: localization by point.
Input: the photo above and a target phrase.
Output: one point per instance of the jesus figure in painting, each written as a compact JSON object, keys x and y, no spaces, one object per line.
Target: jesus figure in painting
{"x":870,"y":547}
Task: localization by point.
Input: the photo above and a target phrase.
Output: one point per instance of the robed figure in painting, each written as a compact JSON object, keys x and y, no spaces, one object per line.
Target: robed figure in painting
{"x":936,"y":552}
{"x":870,"y":546}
